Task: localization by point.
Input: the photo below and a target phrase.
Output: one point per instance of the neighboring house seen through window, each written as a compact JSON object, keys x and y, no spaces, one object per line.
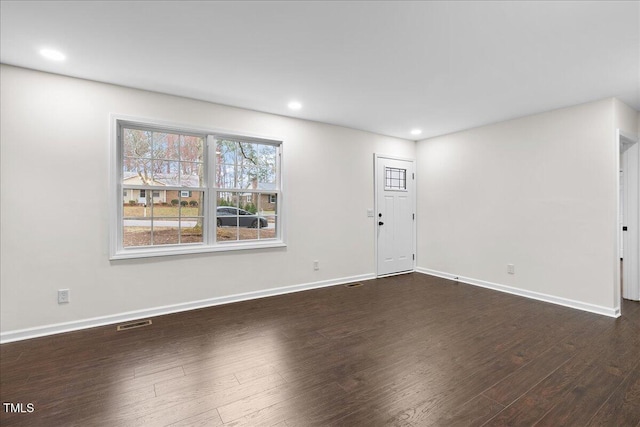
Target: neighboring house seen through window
{"x":183,"y":190}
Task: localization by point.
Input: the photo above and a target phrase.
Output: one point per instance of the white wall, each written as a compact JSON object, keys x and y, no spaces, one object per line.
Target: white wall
{"x":54,"y":215}
{"x":625,"y":118}
{"x":538,"y":192}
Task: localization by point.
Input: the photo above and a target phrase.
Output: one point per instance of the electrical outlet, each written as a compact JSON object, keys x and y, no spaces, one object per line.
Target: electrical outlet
{"x":63,"y":296}
{"x":511,"y":269}
{"x":316,"y":265}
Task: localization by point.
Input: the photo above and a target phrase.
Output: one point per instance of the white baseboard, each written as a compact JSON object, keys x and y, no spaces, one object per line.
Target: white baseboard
{"x":605,"y":311}
{"x":40,"y":331}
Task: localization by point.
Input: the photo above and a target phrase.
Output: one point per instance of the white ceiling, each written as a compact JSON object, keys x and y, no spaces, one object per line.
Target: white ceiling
{"x":385,"y":67}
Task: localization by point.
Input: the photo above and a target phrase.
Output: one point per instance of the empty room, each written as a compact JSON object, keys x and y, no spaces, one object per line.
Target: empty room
{"x":320,"y":213}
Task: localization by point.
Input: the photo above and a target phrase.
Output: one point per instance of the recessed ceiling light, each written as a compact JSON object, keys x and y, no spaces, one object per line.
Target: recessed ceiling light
{"x":52,"y":54}
{"x":295,"y":105}
{"x":416,"y":131}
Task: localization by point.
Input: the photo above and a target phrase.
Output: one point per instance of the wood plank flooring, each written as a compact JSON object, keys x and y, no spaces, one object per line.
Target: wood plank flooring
{"x":409,"y":350}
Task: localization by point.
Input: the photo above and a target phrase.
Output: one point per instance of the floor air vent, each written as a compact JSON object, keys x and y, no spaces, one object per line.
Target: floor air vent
{"x":133,"y":325}
{"x":353,"y":285}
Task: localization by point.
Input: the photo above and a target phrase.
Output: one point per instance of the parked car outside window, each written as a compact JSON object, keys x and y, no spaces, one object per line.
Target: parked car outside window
{"x":227,"y":216}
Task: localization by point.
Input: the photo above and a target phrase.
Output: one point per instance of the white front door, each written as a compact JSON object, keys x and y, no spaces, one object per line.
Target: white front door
{"x":621,"y":225}
{"x":630,"y":213}
{"x":394,"y":215}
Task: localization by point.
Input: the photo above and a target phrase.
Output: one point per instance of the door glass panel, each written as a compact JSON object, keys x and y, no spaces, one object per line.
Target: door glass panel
{"x":395,"y":179}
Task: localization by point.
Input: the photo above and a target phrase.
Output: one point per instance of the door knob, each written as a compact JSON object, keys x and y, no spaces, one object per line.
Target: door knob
{"x":380,"y":223}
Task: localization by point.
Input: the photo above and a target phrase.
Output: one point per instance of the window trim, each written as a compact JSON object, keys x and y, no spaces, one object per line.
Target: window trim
{"x":116,"y":197}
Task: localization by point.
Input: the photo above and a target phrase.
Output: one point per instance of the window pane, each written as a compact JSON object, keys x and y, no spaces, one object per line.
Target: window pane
{"x":268,"y":209}
{"x":227,"y":216}
{"x":136,"y":233}
{"x":191,"y":203}
{"x":267,"y":203}
{"x":245,"y":165}
{"x":191,"y":230}
{"x":192,"y":149}
{"x":247,"y":153}
{"x":248,"y":234}
{"x":226,"y":152}
{"x":166,"y":146}
{"x":248,"y":177}
{"x":137,"y":215}
{"x":166,"y":231}
{"x":225,"y":234}
{"x":191,"y":174}
{"x":173,"y":197}
{"x":227,"y":224}
{"x":266,"y":170}
{"x":247,"y":162}
{"x":227,"y":198}
{"x":226,"y":176}
{"x":136,"y":143}
{"x":268,"y":232}
{"x":136,"y":165}
{"x":166,"y":172}
{"x":135,"y":170}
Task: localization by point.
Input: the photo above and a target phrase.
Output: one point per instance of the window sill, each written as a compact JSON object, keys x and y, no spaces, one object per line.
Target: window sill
{"x":193,"y":249}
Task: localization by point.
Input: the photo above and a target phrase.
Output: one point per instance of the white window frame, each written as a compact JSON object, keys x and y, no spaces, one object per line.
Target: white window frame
{"x":116,"y":199}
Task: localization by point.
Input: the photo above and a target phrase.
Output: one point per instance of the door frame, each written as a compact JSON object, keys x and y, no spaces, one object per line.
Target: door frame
{"x":376,"y":182}
{"x":632,"y":249}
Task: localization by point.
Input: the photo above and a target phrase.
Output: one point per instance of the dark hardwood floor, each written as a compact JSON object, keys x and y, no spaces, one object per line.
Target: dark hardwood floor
{"x":409,"y":350}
